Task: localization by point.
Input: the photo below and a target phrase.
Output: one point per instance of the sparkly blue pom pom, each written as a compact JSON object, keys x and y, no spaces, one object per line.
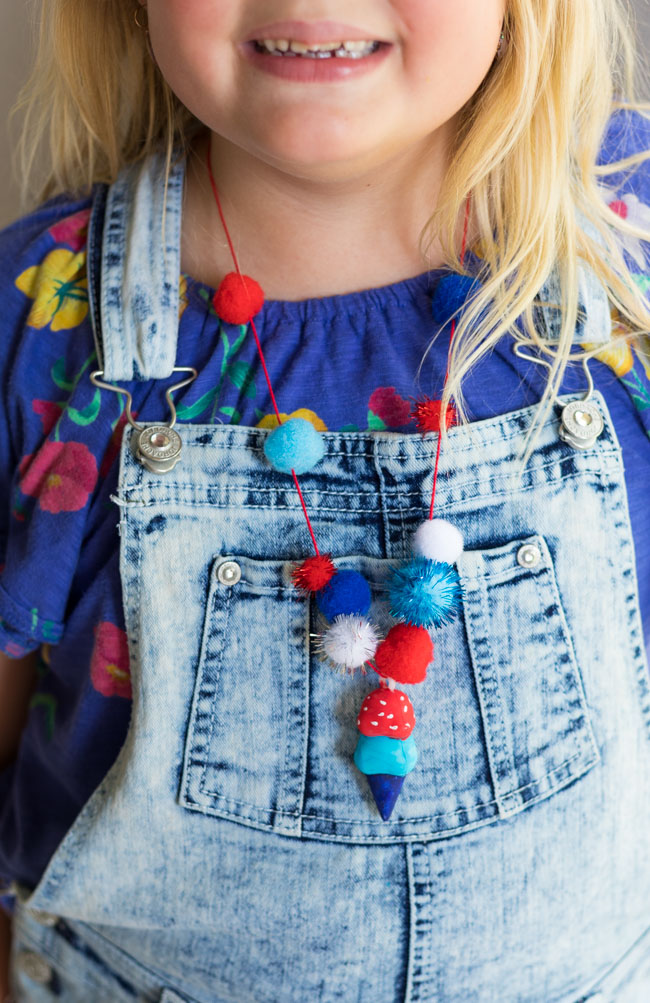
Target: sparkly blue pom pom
{"x":294,"y":445}
{"x":450,"y":296}
{"x":346,"y":594}
{"x":424,"y":592}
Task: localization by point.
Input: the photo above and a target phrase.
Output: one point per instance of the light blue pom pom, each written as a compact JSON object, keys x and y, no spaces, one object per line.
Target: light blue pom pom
{"x":294,"y":445}
{"x":424,"y":592}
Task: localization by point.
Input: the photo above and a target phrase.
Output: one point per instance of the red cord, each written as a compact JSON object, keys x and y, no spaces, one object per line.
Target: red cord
{"x":451,"y":338}
{"x":263,"y":361}
{"x":259,"y":346}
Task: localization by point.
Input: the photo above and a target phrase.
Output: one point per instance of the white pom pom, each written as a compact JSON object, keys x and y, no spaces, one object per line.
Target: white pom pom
{"x":350,"y":641}
{"x":438,"y":540}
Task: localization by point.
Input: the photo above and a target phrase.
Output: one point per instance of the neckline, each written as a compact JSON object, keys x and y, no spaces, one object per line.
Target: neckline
{"x":401,"y":290}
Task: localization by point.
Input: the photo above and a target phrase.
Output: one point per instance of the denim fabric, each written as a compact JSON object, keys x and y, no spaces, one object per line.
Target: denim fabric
{"x":233,"y":851}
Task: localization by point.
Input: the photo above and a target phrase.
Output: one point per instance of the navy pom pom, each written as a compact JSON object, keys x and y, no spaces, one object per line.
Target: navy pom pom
{"x":451,"y":294}
{"x":425,"y":593}
{"x":345,"y":594}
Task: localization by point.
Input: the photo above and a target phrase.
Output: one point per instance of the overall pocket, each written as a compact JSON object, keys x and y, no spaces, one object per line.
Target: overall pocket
{"x":501,"y":720}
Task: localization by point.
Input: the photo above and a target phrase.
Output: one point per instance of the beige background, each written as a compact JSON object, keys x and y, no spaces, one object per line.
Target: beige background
{"x":16,"y":53}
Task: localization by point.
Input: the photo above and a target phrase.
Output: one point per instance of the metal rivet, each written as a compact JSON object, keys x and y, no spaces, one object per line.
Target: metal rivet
{"x":34,"y":966}
{"x":44,"y":918}
{"x":529,"y":555}
{"x":229,"y":573}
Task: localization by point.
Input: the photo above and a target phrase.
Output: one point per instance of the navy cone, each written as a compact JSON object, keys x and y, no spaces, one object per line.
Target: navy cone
{"x":385,"y":789}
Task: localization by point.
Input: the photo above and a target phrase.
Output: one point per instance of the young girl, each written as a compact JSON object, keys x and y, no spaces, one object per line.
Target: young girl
{"x":331,"y":660}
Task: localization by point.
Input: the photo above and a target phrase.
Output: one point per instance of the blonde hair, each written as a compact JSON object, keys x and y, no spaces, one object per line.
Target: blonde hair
{"x":526,"y":150}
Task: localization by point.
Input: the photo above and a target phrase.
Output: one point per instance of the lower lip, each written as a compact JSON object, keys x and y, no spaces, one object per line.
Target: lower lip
{"x":309,"y":70}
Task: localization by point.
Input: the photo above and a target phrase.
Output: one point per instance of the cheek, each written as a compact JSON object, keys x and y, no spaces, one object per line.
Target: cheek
{"x":449,"y":46}
{"x":191,"y":42}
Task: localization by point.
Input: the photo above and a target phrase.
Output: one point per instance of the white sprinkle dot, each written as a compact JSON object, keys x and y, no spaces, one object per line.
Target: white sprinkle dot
{"x":391,"y":715}
{"x":358,"y":720}
{"x":407,"y":724}
{"x":401,"y":698}
{"x":393,"y":727}
{"x":383,"y":703}
{"x":375,"y":723}
{"x":405,"y":708}
{"x":380,"y":714}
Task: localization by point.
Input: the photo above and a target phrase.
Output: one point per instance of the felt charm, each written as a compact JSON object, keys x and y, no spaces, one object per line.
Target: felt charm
{"x":346,"y":593}
{"x":238,"y":298}
{"x":405,"y":653}
{"x":386,"y":712}
{"x":349,"y":641}
{"x":439,"y":540}
{"x":386,"y":750}
{"x":424,"y":592}
{"x":294,"y":445}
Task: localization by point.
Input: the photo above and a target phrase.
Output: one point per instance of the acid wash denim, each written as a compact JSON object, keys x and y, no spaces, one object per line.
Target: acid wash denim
{"x":233,"y":853}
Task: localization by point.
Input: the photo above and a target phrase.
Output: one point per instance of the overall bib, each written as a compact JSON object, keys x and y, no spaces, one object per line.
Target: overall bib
{"x":233,"y":853}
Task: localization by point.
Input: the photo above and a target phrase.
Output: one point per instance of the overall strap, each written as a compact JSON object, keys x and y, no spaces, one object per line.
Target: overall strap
{"x":133,"y":275}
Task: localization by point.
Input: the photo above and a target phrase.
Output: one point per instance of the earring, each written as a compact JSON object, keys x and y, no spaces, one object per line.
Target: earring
{"x":145,"y":27}
{"x":501,"y":47}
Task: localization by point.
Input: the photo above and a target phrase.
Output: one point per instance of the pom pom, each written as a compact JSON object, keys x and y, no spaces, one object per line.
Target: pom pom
{"x":238,"y":298}
{"x":426,"y":414}
{"x":425,"y":593}
{"x":439,"y":540}
{"x":294,"y":445}
{"x":451,"y":294}
{"x":405,"y":653}
{"x":345,"y":594}
{"x":349,"y":642}
{"x":314,"y":573}
{"x":386,"y":712}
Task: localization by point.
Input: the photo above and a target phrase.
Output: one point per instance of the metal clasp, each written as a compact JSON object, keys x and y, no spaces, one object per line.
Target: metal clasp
{"x":157,"y":447}
{"x":581,"y":421}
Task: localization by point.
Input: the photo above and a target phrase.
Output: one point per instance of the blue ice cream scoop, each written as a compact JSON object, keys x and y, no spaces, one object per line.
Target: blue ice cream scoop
{"x":380,"y":754}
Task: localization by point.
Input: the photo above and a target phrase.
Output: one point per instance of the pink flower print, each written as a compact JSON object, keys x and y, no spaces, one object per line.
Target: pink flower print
{"x":49,"y":412}
{"x":73,"y":230}
{"x":61,"y":475}
{"x":630,"y":208}
{"x":109,"y":665}
{"x":387,"y":405}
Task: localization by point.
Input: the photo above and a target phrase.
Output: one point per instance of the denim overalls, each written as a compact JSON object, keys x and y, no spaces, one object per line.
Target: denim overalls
{"x":233,"y":852}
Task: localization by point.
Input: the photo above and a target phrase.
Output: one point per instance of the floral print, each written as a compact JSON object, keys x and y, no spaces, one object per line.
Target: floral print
{"x":109,"y":664}
{"x":386,"y":409}
{"x":271,"y":421}
{"x":59,"y":288}
{"x":61,"y":475}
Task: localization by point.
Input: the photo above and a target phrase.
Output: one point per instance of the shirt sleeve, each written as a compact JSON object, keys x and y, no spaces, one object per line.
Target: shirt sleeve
{"x":45,"y":476}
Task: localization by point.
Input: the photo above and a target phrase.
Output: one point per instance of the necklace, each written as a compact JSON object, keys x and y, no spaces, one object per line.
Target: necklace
{"x":424,"y":593}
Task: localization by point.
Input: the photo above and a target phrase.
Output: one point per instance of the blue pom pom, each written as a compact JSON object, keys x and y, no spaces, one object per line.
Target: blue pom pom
{"x":294,"y":445}
{"x":425,"y":593}
{"x":451,"y":294}
{"x":346,"y":594}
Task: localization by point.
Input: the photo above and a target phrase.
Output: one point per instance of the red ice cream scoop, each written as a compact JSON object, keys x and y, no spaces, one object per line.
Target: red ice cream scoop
{"x":386,"y":712}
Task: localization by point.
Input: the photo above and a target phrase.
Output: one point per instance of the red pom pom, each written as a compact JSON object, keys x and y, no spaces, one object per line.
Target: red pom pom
{"x":238,"y":298}
{"x":426,"y":414}
{"x":314,"y":573}
{"x":405,"y":653}
{"x":386,"y":712}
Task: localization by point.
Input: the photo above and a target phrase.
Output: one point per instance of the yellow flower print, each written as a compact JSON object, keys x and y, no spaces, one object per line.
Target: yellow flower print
{"x":59,"y":288}
{"x":182,"y":295}
{"x":618,"y":353}
{"x":270,"y":420}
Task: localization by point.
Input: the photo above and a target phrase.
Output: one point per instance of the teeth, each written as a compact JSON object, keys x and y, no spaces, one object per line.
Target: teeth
{"x":320,"y":50}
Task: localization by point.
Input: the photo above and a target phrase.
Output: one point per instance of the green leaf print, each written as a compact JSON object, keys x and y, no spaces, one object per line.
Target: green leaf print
{"x":48,"y":702}
{"x":639,"y":393}
{"x":241,"y":374}
{"x":185,"y":412}
{"x":87,"y":414}
{"x":58,"y":375}
{"x":233,"y":414}
{"x":374,"y":421}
